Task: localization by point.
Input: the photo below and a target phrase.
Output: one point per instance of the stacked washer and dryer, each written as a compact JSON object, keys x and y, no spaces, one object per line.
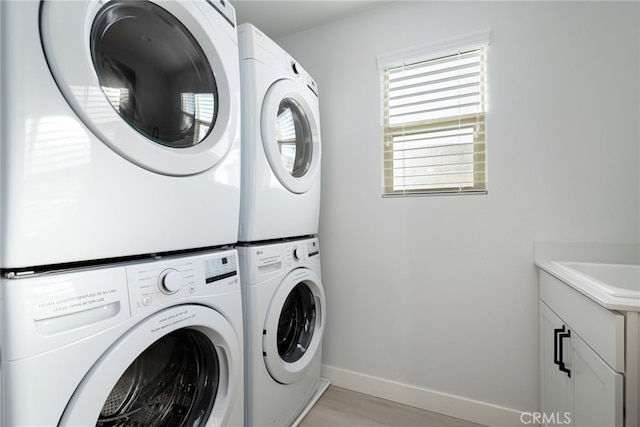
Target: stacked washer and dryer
{"x":283,"y":296}
{"x":120,"y":185}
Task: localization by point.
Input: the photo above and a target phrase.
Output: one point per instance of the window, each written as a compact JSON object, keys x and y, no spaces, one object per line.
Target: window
{"x":434,"y":118}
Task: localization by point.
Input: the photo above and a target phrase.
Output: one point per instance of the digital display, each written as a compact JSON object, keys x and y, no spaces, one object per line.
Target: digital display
{"x":219,"y":268}
{"x":312,"y":248}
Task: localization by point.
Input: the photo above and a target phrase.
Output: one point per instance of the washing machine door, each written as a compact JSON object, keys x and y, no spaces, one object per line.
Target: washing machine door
{"x":294,"y":326}
{"x":290,"y":131}
{"x":181,"y":366}
{"x":156,"y":81}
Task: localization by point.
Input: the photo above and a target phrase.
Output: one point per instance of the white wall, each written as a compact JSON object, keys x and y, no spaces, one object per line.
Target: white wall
{"x":441,"y":292}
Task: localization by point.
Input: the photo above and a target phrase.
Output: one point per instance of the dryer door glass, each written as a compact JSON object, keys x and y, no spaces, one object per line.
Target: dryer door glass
{"x":296,"y":324}
{"x":172,"y":383}
{"x":294,"y":137}
{"x":154,"y":73}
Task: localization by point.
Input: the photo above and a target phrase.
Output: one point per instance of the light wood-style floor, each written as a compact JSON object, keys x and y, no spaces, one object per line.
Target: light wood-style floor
{"x":340,"y":407}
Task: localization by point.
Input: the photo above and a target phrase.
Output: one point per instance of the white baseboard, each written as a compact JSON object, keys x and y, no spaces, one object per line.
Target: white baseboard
{"x":453,"y":406}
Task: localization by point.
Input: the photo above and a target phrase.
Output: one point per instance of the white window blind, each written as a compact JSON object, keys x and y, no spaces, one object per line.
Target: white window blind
{"x":434,"y":113}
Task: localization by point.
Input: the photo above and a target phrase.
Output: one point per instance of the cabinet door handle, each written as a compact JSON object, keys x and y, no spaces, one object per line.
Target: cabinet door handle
{"x":557,"y":331}
{"x":558,"y":359}
{"x":561,"y":365}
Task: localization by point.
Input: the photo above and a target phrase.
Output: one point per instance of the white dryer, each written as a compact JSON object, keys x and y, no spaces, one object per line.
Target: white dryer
{"x":280,"y":142}
{"x":120,"y":128}
{"x":153,"y":343}
{"x":284,"y":308}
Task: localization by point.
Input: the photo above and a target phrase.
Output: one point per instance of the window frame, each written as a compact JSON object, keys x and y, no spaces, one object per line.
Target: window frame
{"x":477,"y":41}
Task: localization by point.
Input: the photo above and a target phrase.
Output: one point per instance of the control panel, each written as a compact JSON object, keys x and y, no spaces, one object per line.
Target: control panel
{"x":295,"y":70}
{"x":274,"y":258}
{"x":300,"y":251}
{"x":158,"y":282}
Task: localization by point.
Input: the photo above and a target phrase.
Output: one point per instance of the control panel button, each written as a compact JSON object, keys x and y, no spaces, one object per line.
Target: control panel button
{"x":170,"y":281}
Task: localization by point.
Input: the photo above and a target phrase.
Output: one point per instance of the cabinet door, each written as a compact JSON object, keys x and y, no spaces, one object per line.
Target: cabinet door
{"x":597,"y":389}
{"x":590,"y":394}
{"x":555,"y":385}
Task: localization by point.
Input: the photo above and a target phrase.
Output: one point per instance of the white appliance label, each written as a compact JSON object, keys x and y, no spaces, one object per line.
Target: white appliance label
{"x":268,"y":256}
{"x":64,"y":298}
{"x":172,"y":320}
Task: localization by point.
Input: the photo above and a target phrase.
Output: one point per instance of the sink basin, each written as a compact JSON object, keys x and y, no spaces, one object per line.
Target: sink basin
{"x":618,"y":280}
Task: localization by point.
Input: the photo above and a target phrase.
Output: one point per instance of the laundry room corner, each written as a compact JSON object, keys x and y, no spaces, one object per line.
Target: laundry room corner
{"x":257,"y":213}
{"x":440,"y":293}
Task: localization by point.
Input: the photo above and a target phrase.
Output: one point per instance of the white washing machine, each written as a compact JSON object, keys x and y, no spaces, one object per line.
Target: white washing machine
{"x":120,"y":128}
{"x":153,"y":343}
{"x":284,"y":308}
{"x":280,"y":142}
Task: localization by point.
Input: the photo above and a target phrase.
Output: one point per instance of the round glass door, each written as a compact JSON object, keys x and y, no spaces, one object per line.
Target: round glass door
{"x":173,"y":383}
{"x":157,"y":82}
{"x":154,"y":73}
{"x":290,"y":134}
{"x":294,"y":326}
{"x":186,"y":371}
{"x":294,"y":138}
{"x":297,"y":323}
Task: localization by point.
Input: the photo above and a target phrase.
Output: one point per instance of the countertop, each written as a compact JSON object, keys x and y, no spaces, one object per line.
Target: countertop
{"x":614,"y":253}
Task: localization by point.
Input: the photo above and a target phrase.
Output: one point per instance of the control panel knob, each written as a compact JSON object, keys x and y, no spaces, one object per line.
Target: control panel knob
{"x":170,"y":281}
{"x":297,"y":254}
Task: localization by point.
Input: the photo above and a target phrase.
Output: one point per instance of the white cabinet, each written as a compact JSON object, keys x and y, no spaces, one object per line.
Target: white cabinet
{"x":598,"y":390}
{"x":577,"y":387}
{"x":581,"y":359}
